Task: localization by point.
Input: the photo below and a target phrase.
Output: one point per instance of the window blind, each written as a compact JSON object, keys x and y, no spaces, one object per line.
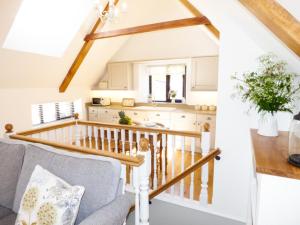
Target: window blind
{"x":55,"y":111}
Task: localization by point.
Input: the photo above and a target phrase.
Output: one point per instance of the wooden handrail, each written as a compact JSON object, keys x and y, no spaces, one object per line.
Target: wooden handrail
{"x":46,"y":128}
{"x":185,"y":173}
{"x":135,"y":161}
{"x":116,"y":126}
{"x":143,"y":129}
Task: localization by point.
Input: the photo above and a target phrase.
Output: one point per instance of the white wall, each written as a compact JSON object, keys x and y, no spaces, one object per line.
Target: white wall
{"x":243,"y":39}
{"x":16,"y":104}
{"x":178,"y":44}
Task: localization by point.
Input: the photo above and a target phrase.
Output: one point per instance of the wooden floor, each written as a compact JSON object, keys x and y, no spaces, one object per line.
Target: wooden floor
{"x":177,"y":160}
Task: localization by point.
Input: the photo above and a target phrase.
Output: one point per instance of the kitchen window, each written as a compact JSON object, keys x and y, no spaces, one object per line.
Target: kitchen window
{"x":166,"y":78}
{"x":54,"y":111}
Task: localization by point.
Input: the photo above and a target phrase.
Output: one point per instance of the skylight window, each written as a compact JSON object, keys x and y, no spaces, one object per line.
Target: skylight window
{"x":47,"y":26}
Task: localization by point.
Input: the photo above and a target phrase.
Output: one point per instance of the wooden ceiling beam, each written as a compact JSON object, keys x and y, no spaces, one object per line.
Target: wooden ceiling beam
{"x":197,"y":13}
{"x":274,"y":16}
{"x":82,"y":54}
{"x":149,"y":28}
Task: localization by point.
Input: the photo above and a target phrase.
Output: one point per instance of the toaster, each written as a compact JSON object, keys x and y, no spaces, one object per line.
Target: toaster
{"x":101,"y":101}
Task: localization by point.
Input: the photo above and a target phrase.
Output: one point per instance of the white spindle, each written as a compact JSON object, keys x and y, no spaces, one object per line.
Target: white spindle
{"x":147,"y":135}
{"x":163,"y":156}
{"x":55,"y":135}
{"x":90,"y":136}
{"x":136,"y":185}
{"x":109,"y":139}
{"x":182,"y":166}
{"x":138,"y":138}
{"x":116,"y":137}
{"x":193,"y":148}
{"x":96,"y":137}
{"x":63,"y":134}
{"x":123,"y":140}
{"x":173,"y":148}
{"x":102,"y":138}
{"x":154,"y":160}
{"x":70,"y":134}
{"x":144,"y":172}
{"x":130,"y":137}
{"x":205,"y":146}
{"x":77,"y":134}
{"x":83,"y":127}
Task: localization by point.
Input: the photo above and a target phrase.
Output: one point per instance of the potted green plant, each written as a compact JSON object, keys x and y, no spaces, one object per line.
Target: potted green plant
{"x":269,"y":89}
{"x":172,"y":95}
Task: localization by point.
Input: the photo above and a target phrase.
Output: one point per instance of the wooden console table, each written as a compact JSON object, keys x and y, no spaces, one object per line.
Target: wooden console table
{"x":275,"y":184}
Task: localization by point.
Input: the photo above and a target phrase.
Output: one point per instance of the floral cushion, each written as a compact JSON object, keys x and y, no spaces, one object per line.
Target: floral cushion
{"x":48,"y":200}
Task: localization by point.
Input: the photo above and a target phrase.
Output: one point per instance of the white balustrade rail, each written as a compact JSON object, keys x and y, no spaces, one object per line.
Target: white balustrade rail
{"x":163,"y":161}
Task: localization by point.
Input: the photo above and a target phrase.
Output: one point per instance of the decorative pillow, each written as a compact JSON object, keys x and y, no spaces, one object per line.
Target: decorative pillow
{"x":48,"y":200}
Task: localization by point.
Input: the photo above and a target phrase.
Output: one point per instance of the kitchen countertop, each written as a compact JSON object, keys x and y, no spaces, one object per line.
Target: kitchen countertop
{"x":178,"y":108}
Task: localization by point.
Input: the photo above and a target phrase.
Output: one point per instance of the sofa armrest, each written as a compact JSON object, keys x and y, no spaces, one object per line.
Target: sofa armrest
{"x":114,"y":213}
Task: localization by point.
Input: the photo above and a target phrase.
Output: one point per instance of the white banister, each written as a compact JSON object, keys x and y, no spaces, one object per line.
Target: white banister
{"x":192,"y":183}
{"x":89,"y":129}
{"x":154,"y":160}
{"x":130,"y":137}
{"x":96,"y":137}
{"x":205,"y":146}
{"x":163,"y":157}
{"x":123,"y":139}
{"x":83,"y":127}
{"x":144,"y":173}
{"x":116,"y":139}
{"x":182,"y":166}
{"x":102,"y":136}
{"x":109,"y":139}
{"x":136,"y":186}
{"x":173,"y":148}
{"x":70,"y":134}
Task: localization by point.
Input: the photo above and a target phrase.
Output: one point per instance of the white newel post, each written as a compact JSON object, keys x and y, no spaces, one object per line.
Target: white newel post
{"x":144,"y":173}
{"x":77,"y":130}
{"x":205,"y":146}
{"x":8,"y":130}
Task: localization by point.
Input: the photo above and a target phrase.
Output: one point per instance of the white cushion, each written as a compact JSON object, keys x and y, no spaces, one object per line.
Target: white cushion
{"x":49,"y":200}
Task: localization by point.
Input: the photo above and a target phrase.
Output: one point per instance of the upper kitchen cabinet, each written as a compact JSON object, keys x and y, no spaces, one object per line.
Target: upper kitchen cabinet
{"x":204,"y":75}
{"x":120,"y":76}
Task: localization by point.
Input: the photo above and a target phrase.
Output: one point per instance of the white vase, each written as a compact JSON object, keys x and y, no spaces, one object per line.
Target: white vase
{"x":267,"y":125}
{"x":173,"y":100}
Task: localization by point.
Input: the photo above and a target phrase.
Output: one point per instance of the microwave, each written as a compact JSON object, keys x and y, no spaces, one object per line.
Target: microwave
{"x":101,"y":101}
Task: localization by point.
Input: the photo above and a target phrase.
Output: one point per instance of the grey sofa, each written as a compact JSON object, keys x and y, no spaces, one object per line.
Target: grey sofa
{"x":102,"y":203}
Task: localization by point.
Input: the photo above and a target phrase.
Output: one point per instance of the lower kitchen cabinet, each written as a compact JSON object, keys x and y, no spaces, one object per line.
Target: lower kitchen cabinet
{"x":185,"y":121}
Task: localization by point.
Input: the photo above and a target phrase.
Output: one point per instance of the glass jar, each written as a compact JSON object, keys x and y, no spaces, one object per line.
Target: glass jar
{"x":294,"y":141}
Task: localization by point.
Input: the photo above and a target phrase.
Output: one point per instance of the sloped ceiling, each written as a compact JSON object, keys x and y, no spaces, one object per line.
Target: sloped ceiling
{"x":27,"y":70}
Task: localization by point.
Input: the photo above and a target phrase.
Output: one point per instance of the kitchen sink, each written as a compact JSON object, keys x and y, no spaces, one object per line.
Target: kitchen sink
{"x":155,"y":108}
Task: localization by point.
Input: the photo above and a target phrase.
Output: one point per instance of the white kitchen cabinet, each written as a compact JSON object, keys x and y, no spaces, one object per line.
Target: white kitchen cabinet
{"x":204,"y":75}
{"x":120,"y":76}
{"x":137,"y":116}
{"x":183,"y":121}
{"x":108,"y":116}
{"x":160,"y":117}
{"x":93,"y":113}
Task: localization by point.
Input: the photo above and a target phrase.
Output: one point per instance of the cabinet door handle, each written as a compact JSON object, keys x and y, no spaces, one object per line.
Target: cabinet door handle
{"x":183,"y":116}
{"x":208,"y":118}
{"x":125,"y":86}
{"x":135,"y":113}
{"x":157,"y":114}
